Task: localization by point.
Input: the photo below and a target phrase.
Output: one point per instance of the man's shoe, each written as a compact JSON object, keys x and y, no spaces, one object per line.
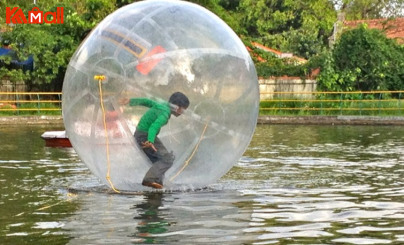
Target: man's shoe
{"x":152,"y":185}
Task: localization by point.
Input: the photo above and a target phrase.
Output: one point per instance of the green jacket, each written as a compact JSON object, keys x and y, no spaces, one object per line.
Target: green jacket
{"x":154,"y":118}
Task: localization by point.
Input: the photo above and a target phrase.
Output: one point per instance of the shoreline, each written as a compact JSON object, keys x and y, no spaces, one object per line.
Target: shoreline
{"x":304,"y":120}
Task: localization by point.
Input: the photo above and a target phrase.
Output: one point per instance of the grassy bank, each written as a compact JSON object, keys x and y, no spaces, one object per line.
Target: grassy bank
{"x":393,"y":108}
{"x":379,"y":103}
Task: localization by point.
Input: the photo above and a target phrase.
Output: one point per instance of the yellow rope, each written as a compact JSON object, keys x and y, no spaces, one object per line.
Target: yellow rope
{"x":69,"y":195}
{"x":101,"y":78}
{"x":192,"y":154}
{"x":52,"y":205}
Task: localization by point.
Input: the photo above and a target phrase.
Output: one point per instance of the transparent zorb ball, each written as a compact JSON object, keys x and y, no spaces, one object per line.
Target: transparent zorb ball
{"x":152,"y":49}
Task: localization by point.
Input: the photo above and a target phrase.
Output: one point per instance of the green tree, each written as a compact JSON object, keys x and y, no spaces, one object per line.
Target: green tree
{"x":301,"y":27}
{"x":364,"y":59}
{"x":370,"y":9}
{"x":226,"y":10}
{"x":52,"y":45}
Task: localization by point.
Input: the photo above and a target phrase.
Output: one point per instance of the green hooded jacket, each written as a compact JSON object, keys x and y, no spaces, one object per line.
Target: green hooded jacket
{"x":154,"y":118}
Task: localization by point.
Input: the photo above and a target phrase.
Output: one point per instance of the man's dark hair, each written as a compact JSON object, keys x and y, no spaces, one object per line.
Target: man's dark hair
{"x":179,"y":99}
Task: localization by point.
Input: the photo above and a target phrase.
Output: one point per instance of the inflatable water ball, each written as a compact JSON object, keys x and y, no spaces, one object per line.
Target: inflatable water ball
{"x":152,"y":49}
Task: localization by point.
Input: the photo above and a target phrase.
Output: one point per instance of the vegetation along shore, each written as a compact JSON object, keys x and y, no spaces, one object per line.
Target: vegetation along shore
{"x":310,"y":120}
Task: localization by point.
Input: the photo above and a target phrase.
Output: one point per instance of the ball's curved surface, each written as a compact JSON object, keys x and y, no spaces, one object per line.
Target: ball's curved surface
{"x":153,"y":49}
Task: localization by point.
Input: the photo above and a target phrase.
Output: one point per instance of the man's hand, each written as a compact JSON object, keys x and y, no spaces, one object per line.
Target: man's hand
{"x":149,"y":144}
{"x":123,"y":101}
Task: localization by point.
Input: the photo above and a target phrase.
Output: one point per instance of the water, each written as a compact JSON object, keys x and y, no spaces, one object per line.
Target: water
{"x":294,"y":185}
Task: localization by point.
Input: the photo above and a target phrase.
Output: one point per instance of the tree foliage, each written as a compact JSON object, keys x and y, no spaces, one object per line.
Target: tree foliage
{"x":52,"y":45}
{"x":364,"y":59}
{"x":227,"y":10}
{"x":370,"y":9}
{"x":300,"y":27}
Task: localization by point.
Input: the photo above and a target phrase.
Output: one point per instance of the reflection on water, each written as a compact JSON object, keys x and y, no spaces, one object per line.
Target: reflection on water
{"x":151,"y":222}
{"x":294,"y":185}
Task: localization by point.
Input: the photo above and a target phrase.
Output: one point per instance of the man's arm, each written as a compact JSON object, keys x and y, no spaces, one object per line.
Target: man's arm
{"x":136,"y":101}
{"x":141,"y":101}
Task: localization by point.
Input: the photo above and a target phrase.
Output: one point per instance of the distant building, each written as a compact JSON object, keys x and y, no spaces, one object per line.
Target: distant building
{"x":295,"y":59}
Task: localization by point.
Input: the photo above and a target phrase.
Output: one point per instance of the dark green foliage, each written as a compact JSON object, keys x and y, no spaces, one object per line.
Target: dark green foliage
{"x":52,"y":45}
{"x":299,"y":27}
{"x":363,"y":59}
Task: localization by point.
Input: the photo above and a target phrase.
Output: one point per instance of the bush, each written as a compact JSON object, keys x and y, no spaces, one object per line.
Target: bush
{"x":365,"y":60}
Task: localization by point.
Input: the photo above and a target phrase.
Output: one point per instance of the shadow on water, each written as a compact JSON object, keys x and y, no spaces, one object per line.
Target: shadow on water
{"x":294,"y":185}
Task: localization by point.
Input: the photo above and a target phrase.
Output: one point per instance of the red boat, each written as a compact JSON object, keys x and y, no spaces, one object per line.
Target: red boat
{"x":56,"y":139}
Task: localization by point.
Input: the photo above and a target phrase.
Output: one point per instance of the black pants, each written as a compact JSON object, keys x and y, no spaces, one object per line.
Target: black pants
{"x":161,"y":159}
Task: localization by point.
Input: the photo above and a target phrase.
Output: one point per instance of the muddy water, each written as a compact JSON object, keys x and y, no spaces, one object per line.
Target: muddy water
{"x":294,"y":185}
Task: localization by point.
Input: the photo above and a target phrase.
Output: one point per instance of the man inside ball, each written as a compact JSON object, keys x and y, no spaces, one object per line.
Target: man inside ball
{"x":148,"y":129}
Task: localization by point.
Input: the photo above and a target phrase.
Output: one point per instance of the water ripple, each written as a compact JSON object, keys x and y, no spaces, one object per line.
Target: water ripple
{"x":294,"y":185}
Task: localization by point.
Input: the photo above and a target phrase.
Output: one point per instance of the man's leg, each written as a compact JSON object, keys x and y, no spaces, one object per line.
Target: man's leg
{"x":164,"y":162}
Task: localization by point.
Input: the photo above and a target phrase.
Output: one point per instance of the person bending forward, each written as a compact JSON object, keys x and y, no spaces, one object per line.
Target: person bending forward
{"x":148,"y":129}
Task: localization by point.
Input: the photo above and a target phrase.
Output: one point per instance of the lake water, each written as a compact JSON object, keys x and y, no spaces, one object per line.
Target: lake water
{"x":294,"y":185}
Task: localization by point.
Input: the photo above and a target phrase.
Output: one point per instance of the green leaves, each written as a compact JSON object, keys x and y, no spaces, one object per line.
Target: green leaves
{"x":371,"y":9}
{"x":364,"y":59}
{"x":300,"y":27}
{"x":52,"y":45}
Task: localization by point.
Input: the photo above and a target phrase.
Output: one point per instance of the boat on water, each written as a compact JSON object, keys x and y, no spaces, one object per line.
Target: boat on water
{"x":56,"y":139}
